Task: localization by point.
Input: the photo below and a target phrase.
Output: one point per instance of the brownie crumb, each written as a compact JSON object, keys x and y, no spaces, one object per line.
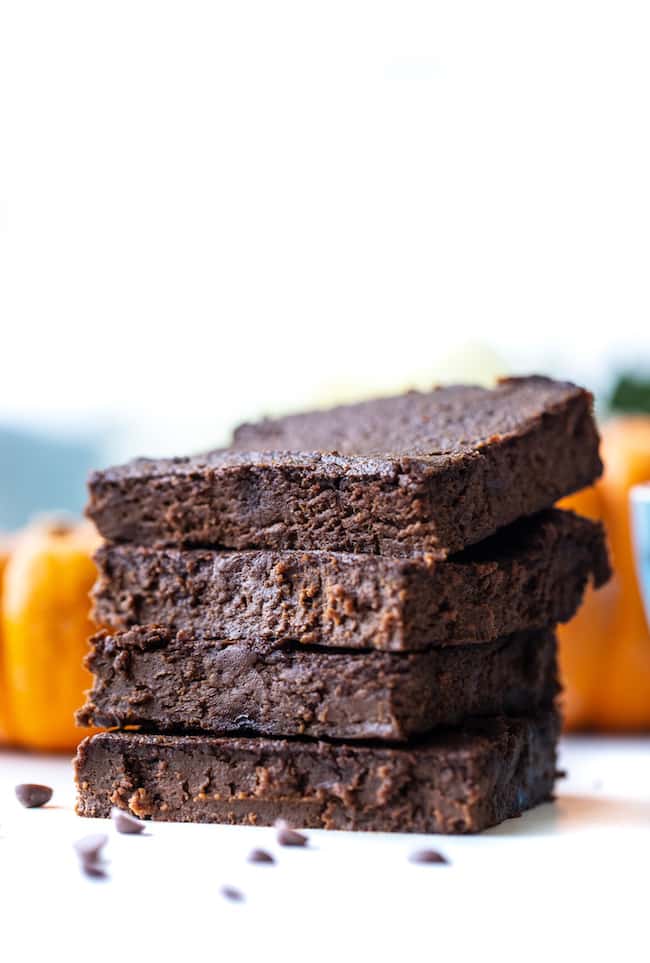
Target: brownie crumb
{"x":126,"y":823}
{"x":31,"y":795}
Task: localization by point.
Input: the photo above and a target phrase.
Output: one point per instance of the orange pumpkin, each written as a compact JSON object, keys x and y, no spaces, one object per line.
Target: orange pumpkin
{"x":4,"y":721}
{"x":605,"y":650}
{"x":45,"y":624}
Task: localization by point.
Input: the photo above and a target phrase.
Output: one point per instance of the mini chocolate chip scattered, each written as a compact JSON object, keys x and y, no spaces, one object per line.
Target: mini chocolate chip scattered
{"x":89,"y":850}
{"x":126,"y":823}
{"x":94,"y":870}
{"x":31,"y":795}
{"x":260,"y":856}
{"x":428,"y":856}
{"x":287,"y":836}
{"x":234,"y":895}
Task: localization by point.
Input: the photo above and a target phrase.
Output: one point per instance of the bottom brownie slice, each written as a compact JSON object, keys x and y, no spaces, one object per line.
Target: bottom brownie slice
{"x":456,"y":781}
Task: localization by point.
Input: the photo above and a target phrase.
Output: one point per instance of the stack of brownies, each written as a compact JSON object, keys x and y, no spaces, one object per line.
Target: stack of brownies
{"x":347,"y":618}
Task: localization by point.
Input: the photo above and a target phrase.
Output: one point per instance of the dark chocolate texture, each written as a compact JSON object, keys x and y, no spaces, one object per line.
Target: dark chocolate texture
{"x":428,"y":472}
{"x":166,"y":683}
{"x":531,"y":574}
{"x":457,"y":781}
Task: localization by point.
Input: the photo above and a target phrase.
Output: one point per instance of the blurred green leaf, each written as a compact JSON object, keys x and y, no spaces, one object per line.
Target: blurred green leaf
{"x":631,"y":394}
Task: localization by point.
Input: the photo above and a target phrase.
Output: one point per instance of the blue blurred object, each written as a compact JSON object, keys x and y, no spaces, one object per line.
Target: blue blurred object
{"x":42,"y":473}
{"x":640,"y":508}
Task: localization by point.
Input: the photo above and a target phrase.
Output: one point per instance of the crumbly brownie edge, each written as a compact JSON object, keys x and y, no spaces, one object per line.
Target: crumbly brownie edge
{"x":167,"y":683}
{"x":386,"y":505}
{"x":266,"y":503}
{"x":526,"y":576}
{"x":495,"y":589}
{"x":459,"y":782}
{"x":518,"y":476}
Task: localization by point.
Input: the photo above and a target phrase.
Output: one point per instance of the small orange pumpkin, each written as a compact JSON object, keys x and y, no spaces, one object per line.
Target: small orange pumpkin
{"x":4,"y":722}
{"x":605,"y":650}
{"x":45,"y":624}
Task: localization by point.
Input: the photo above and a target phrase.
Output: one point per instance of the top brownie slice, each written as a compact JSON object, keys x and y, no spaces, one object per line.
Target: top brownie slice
{"x":421,"y":472}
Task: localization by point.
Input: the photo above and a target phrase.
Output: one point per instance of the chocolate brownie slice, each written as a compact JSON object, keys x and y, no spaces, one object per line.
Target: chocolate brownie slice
{"x":457,"y":781}
{"x":167,"y":683}
{"x":420,"y":472}
{"x":530,"y":574}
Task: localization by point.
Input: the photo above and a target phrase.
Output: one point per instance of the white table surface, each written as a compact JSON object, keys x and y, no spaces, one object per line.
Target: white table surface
{"x":566,"y":881}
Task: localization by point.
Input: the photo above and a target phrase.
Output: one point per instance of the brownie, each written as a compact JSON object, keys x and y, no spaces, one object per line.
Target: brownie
{"x":422,"y":472}
{"x":530,"y":574}
{"x":456,"y":781}
{"x":152,"y":678}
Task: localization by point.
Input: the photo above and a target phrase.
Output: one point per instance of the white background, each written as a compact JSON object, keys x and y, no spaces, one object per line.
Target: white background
{"x":210,"y":210}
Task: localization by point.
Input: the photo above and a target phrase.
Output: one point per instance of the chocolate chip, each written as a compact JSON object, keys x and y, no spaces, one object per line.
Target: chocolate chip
{"x":90,"y":847}
{"x":94,"y":870}
{"x":234,"y":895}
{"x":89,"y":850}
{"x":126,"y":823}
{"x":31,"y":795}
{"x":287,"y":836}
{"x":260,"y":856}
{"x":428,"y":856}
